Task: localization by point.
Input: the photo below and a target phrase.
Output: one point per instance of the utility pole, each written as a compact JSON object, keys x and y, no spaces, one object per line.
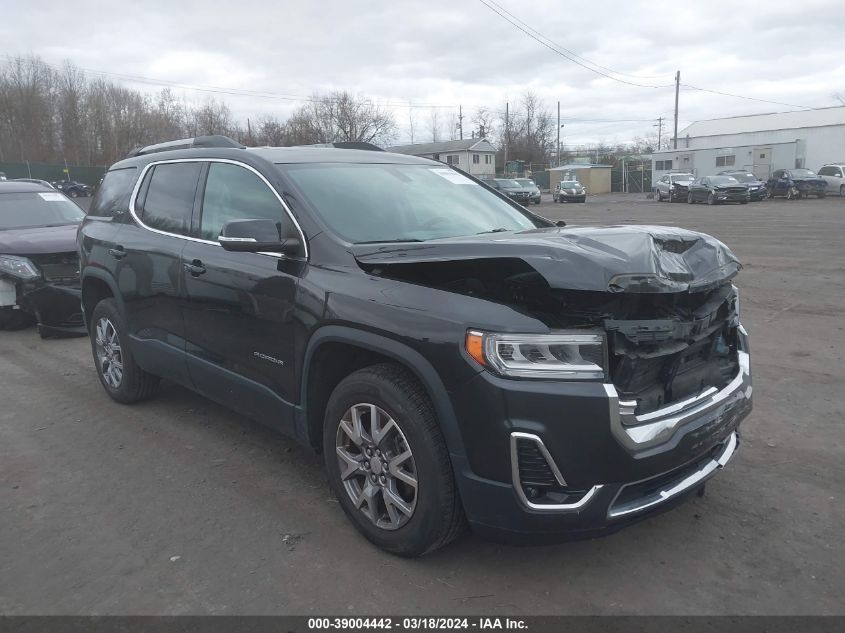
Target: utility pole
{"x":461,"y":121}
{"x":249,"y":130}
{"x":659,"y":127}
{"x":507,"y":139}
{"x":558,"y":134}
{"x":677,"y":90}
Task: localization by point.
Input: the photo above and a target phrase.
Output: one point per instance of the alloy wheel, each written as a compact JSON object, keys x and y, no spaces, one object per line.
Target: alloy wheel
{"x":376,"y":465}
{"x":109,"y":353}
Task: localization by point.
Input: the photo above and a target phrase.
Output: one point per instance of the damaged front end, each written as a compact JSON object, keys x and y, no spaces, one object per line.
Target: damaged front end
{"x":42,"y":288}
{"x":663,"y":299}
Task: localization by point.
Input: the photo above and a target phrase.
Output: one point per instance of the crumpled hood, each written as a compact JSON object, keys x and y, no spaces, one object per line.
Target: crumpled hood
{"x":646,"y":259}
{"x":39,"y":240}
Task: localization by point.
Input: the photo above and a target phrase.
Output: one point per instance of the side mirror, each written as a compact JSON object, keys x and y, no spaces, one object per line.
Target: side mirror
{"x":256,"y":236}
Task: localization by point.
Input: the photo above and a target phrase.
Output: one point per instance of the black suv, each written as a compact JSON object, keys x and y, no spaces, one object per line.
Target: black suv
{"x":454,"y":356}
{"x":72,"y":188}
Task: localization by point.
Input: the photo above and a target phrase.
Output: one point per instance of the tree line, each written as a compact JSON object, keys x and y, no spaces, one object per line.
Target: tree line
{"x":53,"y":115}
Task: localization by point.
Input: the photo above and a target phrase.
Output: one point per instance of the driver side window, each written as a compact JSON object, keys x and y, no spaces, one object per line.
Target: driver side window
{"x":233,"y":192}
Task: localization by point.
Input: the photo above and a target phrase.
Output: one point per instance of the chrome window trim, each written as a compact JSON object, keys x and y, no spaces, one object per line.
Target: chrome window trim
{"x":677,"y":487}
{"x":517,"y":485}
{"x":228,"y":161}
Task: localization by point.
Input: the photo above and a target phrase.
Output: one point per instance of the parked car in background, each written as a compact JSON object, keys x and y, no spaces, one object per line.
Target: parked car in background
{"x":796,"y":183}
{"x":532,"y":187}
{"x":454,"y":357}
{"x":73,"y":188}
{"x":34,"y":181}
{"x":756,"y":187}
{"x":512,"y":189}
{"x":39,"y":263}
{"x":673,"y":187}
{"x":834,"y":176}
{"x":569,"y":191}
{"x":2,"y":175}
{"x":717,"y":189}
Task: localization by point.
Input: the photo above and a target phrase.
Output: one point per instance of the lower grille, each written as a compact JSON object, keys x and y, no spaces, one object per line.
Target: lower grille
{"x":58,"y":267}
{"x":534,"y":470}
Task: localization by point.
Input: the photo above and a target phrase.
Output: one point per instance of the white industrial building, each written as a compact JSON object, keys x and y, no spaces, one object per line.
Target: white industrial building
{"x":759,"y":143}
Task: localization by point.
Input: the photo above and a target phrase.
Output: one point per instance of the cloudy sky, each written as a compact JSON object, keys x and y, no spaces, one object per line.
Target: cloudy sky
{"x":451,"y":52}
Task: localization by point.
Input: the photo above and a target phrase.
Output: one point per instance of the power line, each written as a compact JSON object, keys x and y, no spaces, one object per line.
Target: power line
{"x":728,"y":94}
{"x":555,"y":49}
{"x":227,"y":91}
{"x":573,"y":53}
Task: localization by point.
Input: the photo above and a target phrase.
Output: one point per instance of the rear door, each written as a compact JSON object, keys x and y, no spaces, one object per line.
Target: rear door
{"x":150,"y":268}
{"x":240,"y":306}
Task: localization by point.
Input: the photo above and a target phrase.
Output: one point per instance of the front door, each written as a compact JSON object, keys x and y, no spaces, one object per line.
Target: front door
{"x":240,"y":307}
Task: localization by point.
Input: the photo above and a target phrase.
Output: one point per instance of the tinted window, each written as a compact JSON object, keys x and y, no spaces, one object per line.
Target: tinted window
{"x":113,"y":195}
{"x":235,"y":193}
{"x":372,"y":202}
{"x":48,"y":208}
{"x":170,"y":197}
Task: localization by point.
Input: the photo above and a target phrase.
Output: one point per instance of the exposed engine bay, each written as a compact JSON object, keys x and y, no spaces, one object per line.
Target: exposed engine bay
{"x":663,"y":347}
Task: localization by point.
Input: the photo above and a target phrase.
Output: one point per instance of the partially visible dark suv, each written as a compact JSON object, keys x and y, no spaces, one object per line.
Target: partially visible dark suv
{"x":454,"y":356}
{"x":73,"y":188}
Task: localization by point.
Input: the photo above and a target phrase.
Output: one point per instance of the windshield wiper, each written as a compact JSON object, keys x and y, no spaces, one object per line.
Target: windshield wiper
{"x":500,"y":230}
{"x":408,"y":239}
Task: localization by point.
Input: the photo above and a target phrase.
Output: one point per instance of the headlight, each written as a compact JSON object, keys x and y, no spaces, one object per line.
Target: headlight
{"x":19,"y":267}
{"x":560,"y":355}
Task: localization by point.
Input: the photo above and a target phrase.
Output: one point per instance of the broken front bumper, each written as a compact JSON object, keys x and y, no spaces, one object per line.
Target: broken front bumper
{"x":614,"y":467}
{"x":57,"y":308}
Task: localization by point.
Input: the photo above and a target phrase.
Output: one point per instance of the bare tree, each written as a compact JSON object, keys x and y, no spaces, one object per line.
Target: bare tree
{"x":482,"y":121}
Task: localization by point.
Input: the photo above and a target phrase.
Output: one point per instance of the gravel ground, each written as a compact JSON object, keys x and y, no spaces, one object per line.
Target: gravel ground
{"x":179,"y":506}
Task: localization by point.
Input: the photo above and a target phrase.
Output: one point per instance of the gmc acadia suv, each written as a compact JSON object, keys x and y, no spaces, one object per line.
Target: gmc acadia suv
{"x":453,"y":356}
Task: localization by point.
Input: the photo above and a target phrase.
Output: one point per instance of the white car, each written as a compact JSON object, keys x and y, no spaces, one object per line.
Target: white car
{"x":834,"y":176}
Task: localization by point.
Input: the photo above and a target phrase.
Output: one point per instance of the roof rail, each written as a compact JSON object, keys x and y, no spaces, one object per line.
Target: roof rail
{"x":215,"y":140}
{"x":348,"y":145}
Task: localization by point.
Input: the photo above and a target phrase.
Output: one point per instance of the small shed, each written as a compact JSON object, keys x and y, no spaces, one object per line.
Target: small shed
{"x":596,"y":178}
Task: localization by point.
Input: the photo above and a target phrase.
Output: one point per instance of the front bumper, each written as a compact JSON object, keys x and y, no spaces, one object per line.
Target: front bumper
{"x":56,"y":307}
{"x":619,"y":467}
{"x":572,"y":197}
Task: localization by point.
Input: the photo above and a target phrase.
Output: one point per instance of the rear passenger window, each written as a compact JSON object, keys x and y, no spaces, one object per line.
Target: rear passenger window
{"x":113,"y":194}
{"x":235,"y":193}
{"x":170,"y":197}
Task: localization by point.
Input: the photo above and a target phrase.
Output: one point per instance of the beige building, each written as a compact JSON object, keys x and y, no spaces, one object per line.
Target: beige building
{"x":476,"y":156}
{"x":596,"y":178}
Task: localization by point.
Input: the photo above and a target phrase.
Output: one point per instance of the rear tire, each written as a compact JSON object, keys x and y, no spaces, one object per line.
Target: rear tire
{"x":117,"y":370}
{"x":659,"y":196}
{"x":690,"y":199}
{"x":842,"y":191}
{"x":428,"y":513}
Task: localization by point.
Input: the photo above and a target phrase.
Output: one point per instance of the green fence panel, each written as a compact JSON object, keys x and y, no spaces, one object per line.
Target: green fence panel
{"x":50,"y":173}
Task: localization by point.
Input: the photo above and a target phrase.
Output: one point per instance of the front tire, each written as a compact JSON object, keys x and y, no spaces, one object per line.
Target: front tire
{"x":117,"y":370}
{"x":388,"y":464}
{"x":842,"y":191}
{"x":711,"y":198}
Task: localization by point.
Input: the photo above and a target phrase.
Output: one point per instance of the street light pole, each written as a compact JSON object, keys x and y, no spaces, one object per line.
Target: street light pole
{"x":558,"y":133}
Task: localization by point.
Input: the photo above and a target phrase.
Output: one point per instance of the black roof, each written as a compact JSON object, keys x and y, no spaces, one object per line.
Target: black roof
{"x":280,"y":155}
{"x":11,"y":186}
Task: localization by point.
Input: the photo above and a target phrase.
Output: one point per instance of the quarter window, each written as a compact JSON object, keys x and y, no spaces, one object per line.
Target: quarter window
{"x":170,"y":197}
{"x":113,"y":194}
{"x":235,"y":193}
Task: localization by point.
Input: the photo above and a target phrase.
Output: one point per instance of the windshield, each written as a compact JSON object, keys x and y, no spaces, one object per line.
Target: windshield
{"x":681,"y":178}
{"x":508,"y":184}
{"x":744,"y":177}
{"x":388,"y":203}
{"x":723,"y":180}
{"x":570,"y":184}
{"x":25,"y":210}
{"x":802,"y":173}
{"x":525,"y":182}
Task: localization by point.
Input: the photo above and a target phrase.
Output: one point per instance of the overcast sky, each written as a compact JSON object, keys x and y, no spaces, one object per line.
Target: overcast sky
{"x":450,"y":52}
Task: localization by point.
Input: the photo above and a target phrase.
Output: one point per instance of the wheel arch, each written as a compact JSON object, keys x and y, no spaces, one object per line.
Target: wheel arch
{"x":96,"y":286}
{"x":373,"y":348}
